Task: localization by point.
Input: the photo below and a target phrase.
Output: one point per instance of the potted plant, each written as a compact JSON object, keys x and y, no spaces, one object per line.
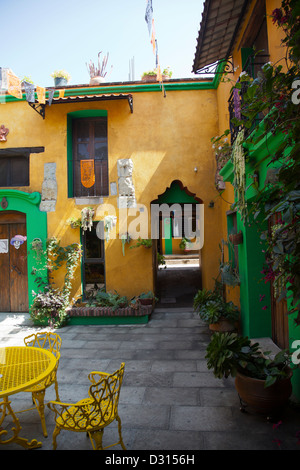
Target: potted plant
{"x":87,"y":215}
{"x":185,"y":244}
{"x":125,"y":238}
{"x":61,"y":77}
{"x":263,"y":383}
{"x":98,"y":74}
{"x":213,"y":310}
{"x":37,"y":247}
{"x":151,"y":75}
{"x":229,"y":275}
{"x":49,"y":308}
{"x":147,"y":298}
{"x":147,"y":243}
{"x":236,"y":238}
{"x":74,"y":222}
{"x":101,"y":298}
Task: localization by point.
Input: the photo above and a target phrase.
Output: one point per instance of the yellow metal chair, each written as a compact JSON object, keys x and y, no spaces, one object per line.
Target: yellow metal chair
{"x":52,"y":342}
{"x":92,"y":414}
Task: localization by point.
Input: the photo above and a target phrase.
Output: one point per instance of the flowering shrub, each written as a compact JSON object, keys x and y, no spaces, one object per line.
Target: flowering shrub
{"x":50,"y":304}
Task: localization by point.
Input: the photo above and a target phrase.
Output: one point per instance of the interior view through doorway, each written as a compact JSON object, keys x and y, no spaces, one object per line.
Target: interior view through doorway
{"x":178,"y":279}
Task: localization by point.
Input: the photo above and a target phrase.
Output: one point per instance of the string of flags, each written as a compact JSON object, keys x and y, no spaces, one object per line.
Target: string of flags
{"x":151,"y":28}
{"x":13,"y":84}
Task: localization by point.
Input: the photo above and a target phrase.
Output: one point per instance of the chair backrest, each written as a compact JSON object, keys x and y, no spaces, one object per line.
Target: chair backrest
{"x":105,"y":390}
{"x":46,"y":340}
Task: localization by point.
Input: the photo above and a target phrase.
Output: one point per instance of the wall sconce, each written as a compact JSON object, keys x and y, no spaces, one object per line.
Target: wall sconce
{"x":211,"y":204}
{"x":195,"y":169}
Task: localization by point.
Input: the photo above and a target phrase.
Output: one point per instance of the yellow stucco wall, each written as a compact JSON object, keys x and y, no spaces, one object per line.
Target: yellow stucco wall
{"x":166,"y":138}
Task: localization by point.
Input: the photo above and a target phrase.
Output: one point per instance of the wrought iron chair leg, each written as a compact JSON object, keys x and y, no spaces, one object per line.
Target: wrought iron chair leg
{"x":96,"y":439}
{"x":120,"y":432}
{"x":56,"y":390}
{"x":39,"y":403}
{"x":55,"y":434}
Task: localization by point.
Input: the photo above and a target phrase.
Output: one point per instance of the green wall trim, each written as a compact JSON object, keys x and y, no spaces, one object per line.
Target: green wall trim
{"x":36,"y":226}
{"x":108,"y":320}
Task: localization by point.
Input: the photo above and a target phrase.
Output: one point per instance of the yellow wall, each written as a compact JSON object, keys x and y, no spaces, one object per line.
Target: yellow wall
{"x":165,"y":138}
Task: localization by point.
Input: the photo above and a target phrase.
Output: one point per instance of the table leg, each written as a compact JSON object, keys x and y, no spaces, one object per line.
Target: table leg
{"x":6,"y":409}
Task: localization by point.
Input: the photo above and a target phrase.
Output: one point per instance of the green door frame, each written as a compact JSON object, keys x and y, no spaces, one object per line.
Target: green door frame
{"x":36,"y":227}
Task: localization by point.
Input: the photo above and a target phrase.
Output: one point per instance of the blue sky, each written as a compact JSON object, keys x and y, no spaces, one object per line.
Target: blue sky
{"x":39,"y":37}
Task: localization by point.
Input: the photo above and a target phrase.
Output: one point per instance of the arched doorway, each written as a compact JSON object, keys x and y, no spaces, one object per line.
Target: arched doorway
{"x":179,"y":219}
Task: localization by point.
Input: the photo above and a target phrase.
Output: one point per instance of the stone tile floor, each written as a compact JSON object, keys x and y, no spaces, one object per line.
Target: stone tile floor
{"x":169,"y":399}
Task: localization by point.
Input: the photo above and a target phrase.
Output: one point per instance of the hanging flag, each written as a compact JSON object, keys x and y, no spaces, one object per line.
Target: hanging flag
{"x":156,"y":56}
{"x":29,"y":91}
{"x":87,"y":172}
{"x":41,"y":94}
{"x":159,"y":75}
{"x":14,"y":85}
{"x":148,"y":15}
{"x":153,"y":37}
{"x":50,"y":96}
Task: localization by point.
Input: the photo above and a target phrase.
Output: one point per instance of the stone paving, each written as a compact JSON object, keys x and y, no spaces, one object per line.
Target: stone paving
{"x":169,"y":400}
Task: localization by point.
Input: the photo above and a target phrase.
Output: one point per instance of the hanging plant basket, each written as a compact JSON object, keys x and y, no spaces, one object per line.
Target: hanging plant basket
{"x":236,"y":238}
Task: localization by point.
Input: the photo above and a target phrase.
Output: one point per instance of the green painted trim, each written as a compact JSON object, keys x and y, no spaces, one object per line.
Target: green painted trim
{"x":108,"y":320}
{"x":129,"y":88}
{"x":36,"y":226}
{"x":256,"y":322}
{"x":227,"y":172}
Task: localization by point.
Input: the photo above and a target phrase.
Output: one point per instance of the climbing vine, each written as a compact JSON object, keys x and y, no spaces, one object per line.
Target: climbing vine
{"x":50,"y":302}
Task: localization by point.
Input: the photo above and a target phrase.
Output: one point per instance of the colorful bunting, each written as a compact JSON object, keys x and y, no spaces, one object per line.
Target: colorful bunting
{"x":41,"y":94}
{"x":87,"y":173}
{"x":153,"y":37}
{"x":14,"y":85}
{"x":50,"y":96}
{"x":148,"y":15}
{"x":29,"y":91}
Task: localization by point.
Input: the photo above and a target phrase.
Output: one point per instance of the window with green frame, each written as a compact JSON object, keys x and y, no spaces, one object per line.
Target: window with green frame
{"x":87,"y":140}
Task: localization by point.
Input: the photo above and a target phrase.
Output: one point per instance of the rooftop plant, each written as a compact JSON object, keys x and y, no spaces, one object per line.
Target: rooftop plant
{"x":62,"y":74}
{"x":98,"y":70}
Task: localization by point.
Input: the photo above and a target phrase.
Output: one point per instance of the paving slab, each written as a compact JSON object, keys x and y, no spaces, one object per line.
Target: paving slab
{"x":169,"y":399}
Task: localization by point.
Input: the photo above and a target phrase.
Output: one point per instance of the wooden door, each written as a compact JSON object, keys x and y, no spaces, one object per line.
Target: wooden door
{"x":13,"y":262}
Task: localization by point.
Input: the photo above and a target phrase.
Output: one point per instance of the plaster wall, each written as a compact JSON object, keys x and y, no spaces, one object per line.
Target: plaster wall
{"x":166,"y":138}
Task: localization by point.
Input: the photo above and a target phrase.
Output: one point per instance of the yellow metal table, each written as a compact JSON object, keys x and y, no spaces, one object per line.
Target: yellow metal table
{"x":20,"y":368}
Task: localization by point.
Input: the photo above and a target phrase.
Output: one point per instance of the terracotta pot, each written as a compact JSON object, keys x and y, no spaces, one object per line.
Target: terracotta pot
{"x":97,"y":81}
{"x":267,"y":401}
{"x":236,"y":238}
{"x":153,"y":78}
{"x":222,"y":325}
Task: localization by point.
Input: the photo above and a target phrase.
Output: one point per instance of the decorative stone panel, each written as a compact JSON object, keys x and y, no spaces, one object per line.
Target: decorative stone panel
{"x":49,"y":188}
